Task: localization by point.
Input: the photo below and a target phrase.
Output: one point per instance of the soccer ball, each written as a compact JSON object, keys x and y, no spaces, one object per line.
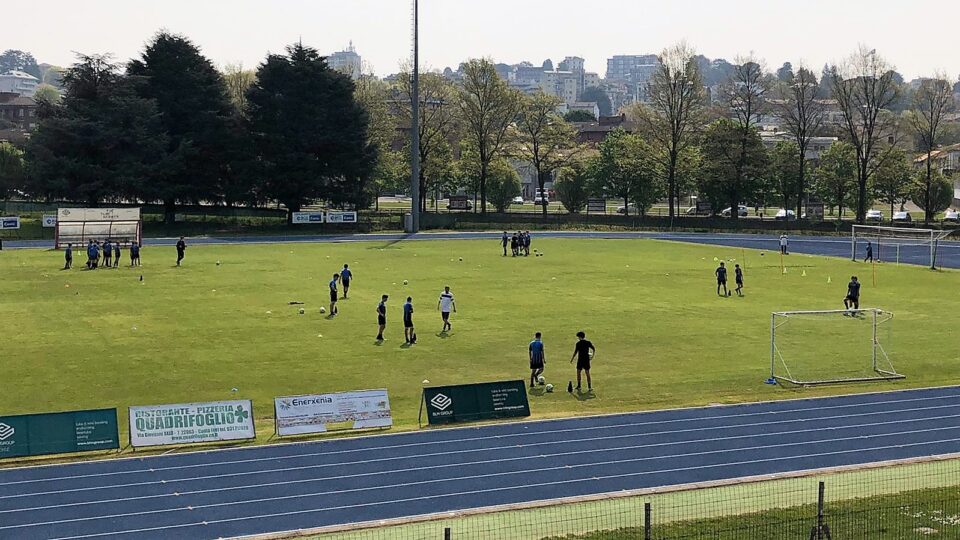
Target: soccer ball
{"x":218,"y":263}
{"x":541,"y":379}
{"x":461,"y":259}
{"x":549,"y":388}
{"x":405,"y":282}
{"x":302,"y":311}
{"x":323,"y":310}
{"x":729,"y":293}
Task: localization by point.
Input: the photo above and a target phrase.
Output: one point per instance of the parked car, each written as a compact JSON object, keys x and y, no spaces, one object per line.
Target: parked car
{"x":632,"y":207}
{"x":952,"y":216}
{"x":874,"y":216}
{"x":741,"y":211}
{"x":540,"y":200}
{"x":785,"y":215}
{"x":517,"y":200}
{"x":902,"y":217}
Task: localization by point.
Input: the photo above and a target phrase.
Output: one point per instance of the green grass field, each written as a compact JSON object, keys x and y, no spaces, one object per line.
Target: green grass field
{"x":79,"y":339}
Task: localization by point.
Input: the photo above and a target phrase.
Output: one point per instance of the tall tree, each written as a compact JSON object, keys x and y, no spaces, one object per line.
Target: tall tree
{"x":437,"y":124}
{"x":745,"y":95}
{"x":504,"y":184}
{"x":100,"y":142}
{"x":373,"y":95}
{"x":16,"y":60}
{"x":892,"y":182}
{"x":677,"y":99}
{"x":785,"y":172}
{"x":836,"y":176}
{"x":865,"y":88}
{"x":543,"y":138}
{"x":933,"y":197}
{"x":310,"y":132}
{"x":196,"y":110}
{"x":734,"y":164}
{"x":624,"y":169}
{"x":932,"y":101}
{"x":573,"y":185}
{"x":11,"y":169}
{"x":488,"y":107}
{"x":802,"y":114}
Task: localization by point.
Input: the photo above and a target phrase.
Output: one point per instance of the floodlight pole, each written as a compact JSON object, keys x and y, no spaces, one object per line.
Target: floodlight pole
{"x":415,"y":125}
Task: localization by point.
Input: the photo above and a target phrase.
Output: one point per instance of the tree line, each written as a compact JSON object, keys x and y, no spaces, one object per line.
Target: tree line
{"x":169,"y":127}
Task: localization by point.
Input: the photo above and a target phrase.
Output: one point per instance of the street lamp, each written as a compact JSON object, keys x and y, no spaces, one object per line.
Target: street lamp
{"x":414,"y":225}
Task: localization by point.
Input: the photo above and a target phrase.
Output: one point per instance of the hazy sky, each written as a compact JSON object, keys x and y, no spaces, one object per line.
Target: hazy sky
{"x":918,"y":37}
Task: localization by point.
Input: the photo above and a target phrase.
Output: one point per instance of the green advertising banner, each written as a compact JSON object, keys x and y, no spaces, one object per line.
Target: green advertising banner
{"x":481,"y":401}
{"x":58,"y":433}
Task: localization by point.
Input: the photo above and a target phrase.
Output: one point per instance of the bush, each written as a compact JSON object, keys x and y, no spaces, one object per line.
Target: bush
{"x":572,"y":188}
{"x":503,"y":184}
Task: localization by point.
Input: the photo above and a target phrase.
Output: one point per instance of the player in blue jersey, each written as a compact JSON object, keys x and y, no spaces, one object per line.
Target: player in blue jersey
{"x":721,"y":273}
{"x":409,"y":333}
{"x":346,"y":276}
{"x":537,"y":359}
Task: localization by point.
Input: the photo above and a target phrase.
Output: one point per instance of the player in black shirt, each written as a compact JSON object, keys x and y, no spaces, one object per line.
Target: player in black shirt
{"x":721,"y":273}
{"x":738,"y":275}
{"x":852,"y":300}
{"x":181,"y":247}
{"x":583,"y":352}
{"x":382,"y":316}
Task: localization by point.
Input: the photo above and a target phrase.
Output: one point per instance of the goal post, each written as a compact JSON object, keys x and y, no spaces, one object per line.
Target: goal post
{"x":810,"y":348}
{"x":78,"y":226}
{"x":919,"y":244}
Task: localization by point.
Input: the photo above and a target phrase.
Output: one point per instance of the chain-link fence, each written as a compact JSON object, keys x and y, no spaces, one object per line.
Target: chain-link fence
{"x":903,"y":501}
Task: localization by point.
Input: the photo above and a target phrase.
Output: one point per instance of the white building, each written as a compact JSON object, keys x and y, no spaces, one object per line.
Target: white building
{"x":347,"y":62}
{"x":18,"y":82}
{"x":586,"y":106}
{"x":947,"y":162}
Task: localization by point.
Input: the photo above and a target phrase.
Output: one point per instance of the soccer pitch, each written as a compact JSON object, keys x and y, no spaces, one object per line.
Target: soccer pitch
{"x":84,"y":339}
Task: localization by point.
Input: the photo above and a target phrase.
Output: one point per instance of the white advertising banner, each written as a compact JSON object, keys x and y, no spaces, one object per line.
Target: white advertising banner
{"x":11,"y":222}
{"x":49,"y":221}
{"x":305,"y":218}
{"x":298,"y":415}
{"x":156,"y":425}
{"x":341,"y":217}
{"x":98,"y":214}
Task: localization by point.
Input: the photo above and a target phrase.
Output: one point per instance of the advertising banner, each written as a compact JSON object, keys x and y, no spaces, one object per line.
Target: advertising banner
{"x":299,"y":415}
{"x":58,"y":433}
{"x":596,"y":205}
{"x":481,"y":401}
{"x":306,"y":218}
{"x":49,"y":221}
{"x":98,"y":214}
{"x":12,"y":222}
{"x":341,"y":217}
{"x":458,"y":202}
{"x":156,"y":425}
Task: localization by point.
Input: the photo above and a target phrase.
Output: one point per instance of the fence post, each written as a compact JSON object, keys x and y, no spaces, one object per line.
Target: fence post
{"x":647,"y":526}
{"x":820,"y":511}
{"x":447,"y":533}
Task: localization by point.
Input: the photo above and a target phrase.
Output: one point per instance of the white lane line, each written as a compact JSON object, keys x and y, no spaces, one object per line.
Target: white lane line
{"x":593,"y":452}
{"x":811,"y":408}
{"x":462,"y":493}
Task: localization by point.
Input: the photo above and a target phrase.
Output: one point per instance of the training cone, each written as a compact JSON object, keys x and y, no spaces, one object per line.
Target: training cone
{"x":829,"y":280}
{"x":784,"y":270}
{"x":570,"y":387}
{"x":804,"y":274}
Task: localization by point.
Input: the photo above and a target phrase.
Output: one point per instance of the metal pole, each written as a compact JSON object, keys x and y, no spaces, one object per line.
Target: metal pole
{"x":874,"y":340}
{"x":820,"y":511}
{"x":773,"y":344}
{"x":447,"y":533}
{"x":415,"y":125}
{"x":647,"y":526}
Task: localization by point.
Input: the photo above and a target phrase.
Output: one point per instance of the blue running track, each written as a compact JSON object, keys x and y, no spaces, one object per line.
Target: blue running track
{"x":297,"y":486}
{"x":834,"y":246}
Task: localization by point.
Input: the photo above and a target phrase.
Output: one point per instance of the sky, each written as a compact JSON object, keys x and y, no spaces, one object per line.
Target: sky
{"x":916,"y":36}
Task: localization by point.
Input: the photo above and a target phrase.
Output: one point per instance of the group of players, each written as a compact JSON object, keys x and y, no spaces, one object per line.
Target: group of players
{"x":106,"y":255}
{"x":445,"y":305}
{"x":519,"y":243}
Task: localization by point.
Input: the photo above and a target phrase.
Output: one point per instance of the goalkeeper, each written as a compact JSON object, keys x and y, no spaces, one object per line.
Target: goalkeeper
{"x":852,"y":300}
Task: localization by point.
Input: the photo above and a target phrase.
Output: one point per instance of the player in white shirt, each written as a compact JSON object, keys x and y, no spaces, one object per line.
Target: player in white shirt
{"x":783,"y":244}
{"x":445,"y":305}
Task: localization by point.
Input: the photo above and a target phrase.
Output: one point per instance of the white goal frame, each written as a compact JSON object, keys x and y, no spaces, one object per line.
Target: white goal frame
{"x":898,"y":236}
{"x":77,"y":226}
{"x":880,"y":362}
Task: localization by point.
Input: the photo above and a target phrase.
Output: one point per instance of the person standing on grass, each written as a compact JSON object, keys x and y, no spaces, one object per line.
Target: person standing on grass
{"x":445,"y":304}
{"x":134,"y":254}
{"x":334,"y":295}
{"x":504,"y":240}
{"x":181,"y":247}
{"x":583,"y":353}
{"x":116,"y":254}
{"x":513,"y":244}
{"x":526,"y":244}
{"x":721,"y":273}
{"x":345,"y":277}
{"x":538,"y":358}
{"x":68,"y":257}
{"x":382,"y":316}
{"x":783,"y":244}
{"x":107,"y":254}
{"x":852,"y":300}
{"x":96,"y":254}
{"x":409,"y":333}
{"x":89,"y":254}
{"x":738,"y":275}
{"x":869,"y":256}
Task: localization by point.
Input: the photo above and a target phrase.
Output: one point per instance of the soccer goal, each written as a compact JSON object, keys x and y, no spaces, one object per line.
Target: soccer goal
{"x":77,"y":226}
{"x":896,"y":243}
{"x":827,"y":347}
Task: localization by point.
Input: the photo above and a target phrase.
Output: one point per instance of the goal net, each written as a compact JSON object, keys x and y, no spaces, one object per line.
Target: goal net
{"x":835,"y":346}
{"x":78,"y":226}
{"x":915,"y":246}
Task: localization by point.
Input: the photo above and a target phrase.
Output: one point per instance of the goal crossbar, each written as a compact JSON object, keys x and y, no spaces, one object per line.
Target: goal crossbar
{"x":881,"y":367}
